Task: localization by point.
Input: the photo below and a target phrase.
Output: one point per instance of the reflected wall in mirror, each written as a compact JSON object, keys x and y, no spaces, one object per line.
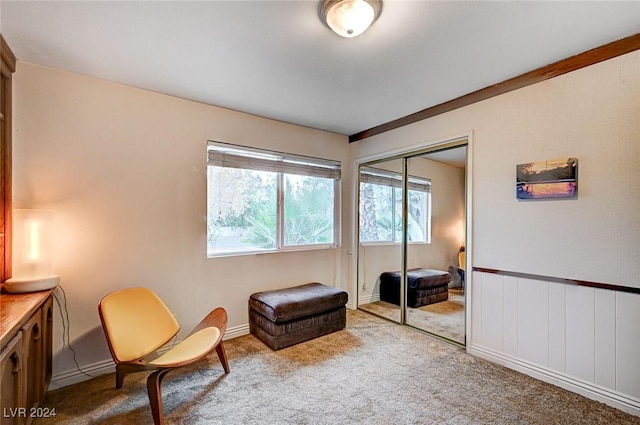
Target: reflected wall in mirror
{"x":435,"y":297}
{"x":380,"y":237}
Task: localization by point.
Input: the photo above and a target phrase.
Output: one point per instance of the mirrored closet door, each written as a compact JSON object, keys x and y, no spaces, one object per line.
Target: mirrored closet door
{"x":412,"y":216}
{"x":380,"y":244}
{"x":436,"y":234}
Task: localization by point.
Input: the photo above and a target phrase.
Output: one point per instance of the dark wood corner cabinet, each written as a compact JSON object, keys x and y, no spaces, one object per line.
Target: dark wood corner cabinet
{"x":26,"y":325}
{"x":26,"y":320}
{"x":7,"y":69}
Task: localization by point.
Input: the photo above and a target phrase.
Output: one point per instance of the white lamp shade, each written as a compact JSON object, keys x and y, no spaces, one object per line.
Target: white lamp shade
{"x":32,"y":267}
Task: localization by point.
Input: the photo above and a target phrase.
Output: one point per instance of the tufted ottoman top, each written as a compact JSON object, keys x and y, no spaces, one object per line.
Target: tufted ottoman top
{"x":419,"y":278}
{"x":286,"y":304}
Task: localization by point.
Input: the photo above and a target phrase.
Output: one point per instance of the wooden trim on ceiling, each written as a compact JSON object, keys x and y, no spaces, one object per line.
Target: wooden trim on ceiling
{"x":586,"y":283}
{"x":573,"y":63}
{"x":8,"y":58}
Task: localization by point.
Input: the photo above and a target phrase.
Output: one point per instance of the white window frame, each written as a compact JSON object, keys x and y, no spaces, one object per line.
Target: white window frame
{"x":223,"y":154}
{"x":394,"y":180}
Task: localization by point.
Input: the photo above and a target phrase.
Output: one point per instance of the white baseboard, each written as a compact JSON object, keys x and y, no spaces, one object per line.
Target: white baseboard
{"x":236,"y":331}
{"x":367,"y":299}
{"x":592,"y":391}
{"x":104,"y":367}
{"x":74,"y":376}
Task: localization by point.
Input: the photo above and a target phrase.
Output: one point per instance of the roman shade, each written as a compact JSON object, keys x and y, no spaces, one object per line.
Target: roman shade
{"x":389,"y":178}
{"x":226,"y":155}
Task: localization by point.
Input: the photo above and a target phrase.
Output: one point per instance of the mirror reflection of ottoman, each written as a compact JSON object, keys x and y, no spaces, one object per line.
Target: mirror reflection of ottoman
{"x":284,"y":317}
{"x":425,"y":286}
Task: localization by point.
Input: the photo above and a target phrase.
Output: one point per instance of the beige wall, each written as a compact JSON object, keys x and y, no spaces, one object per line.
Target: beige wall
{"x":447,"y":228}
{"x":591,"y":114}
{"x":124,"y":170}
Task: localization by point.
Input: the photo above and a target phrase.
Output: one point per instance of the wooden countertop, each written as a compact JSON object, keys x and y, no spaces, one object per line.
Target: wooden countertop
{"x":16,"y":310}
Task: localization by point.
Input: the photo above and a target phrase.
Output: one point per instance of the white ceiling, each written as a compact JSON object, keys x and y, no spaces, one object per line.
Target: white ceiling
{"x":276,"y":59}
{"x":456,"y":157}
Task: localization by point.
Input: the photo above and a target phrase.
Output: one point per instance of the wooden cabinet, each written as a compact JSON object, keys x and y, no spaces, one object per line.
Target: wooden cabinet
{"x":12,"y":370}
{"x":32,"y":343}
{"x":47,"y":343}
{"x":7,"y":68}
{"x":25,"y":360}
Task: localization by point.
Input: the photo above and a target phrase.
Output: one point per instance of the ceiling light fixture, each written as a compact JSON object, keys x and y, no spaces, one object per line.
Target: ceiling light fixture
{"x":349,"y":18}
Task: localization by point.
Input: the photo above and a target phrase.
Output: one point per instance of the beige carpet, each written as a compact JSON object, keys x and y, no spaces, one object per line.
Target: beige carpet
{"x":373,"y":372}
{"x":445,"y":318}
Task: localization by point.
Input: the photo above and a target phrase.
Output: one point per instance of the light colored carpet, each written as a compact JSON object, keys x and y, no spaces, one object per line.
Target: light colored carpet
{"x":445,"y":318}
{"x":373,"y":372}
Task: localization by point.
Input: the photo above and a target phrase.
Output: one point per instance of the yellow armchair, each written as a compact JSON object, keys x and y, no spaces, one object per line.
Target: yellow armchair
{"x":136,"y":323}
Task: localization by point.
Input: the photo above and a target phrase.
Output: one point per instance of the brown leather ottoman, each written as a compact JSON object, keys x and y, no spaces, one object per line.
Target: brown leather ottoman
{"x":288,"y":316}
{"x":425,"y":286}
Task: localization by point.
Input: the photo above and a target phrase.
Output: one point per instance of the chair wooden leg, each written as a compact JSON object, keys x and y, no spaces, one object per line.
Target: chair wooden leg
{"x":119,"y":377}
{"x":154,"y":388}
{"x":222,"y":355}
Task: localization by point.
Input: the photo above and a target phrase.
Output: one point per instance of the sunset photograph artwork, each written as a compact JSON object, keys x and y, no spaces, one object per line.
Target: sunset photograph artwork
{"x":552,"y":179}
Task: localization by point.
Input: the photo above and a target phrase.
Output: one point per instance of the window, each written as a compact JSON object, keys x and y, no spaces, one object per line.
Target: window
{"x":260,"y":200}
{"x":381,"y":207}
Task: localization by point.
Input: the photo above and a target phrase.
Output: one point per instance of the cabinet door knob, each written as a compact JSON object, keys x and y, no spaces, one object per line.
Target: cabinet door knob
{"x":36,"y":332}
{"x":15,"y":358}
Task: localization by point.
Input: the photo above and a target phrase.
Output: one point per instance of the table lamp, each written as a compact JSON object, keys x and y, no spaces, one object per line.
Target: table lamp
{"x":32,"y":252}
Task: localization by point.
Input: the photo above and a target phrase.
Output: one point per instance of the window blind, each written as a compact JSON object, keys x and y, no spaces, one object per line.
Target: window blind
{"x":389,"y":178}
{"x":226,"y":155}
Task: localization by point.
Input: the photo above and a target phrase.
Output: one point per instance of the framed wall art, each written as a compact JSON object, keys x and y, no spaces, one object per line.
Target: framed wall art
{"x":551,"y":179}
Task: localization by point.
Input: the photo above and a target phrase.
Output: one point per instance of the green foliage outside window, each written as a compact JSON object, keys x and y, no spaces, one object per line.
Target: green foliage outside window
{"x":243,"y":210}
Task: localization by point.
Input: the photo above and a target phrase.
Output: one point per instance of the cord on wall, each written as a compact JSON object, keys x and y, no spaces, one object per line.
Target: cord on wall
{"x":66,"y":327}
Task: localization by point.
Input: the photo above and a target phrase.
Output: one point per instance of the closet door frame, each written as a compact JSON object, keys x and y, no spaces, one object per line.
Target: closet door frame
{"x":464,"y":139}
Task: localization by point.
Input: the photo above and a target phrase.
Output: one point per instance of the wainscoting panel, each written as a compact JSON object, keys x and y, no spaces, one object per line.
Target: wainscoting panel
{"x":605,"y":339}
{"x":581,"y":338}
{"x":533,"y":321}
{"x":628,"y":343}
{"x":492,"y":311}
{"x":557,"y":327}
{"x":580,"y":332}
{"x":511,"y":316}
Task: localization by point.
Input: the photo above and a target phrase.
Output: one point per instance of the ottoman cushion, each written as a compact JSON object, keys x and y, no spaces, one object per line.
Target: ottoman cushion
{"x":284,"y":317}
{"x":425,"y":286}
{"x":419,"y":278}
{"x":282,"y":305}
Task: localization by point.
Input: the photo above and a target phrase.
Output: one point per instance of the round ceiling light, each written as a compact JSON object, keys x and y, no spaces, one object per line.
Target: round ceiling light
{"x":349,"y":18}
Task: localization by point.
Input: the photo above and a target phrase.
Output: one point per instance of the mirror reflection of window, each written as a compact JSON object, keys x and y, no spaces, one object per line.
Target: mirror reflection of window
{"x":381,"y":207}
